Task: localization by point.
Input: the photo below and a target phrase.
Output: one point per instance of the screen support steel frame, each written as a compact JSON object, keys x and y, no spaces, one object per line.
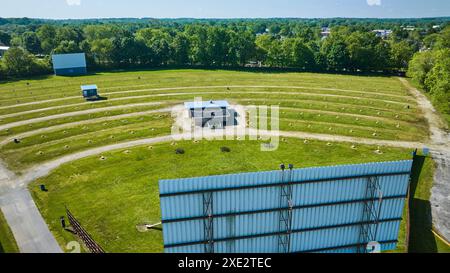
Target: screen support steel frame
{"x":285,"y":213}
{"x":371,"y":214}
{"x":208,"y":222}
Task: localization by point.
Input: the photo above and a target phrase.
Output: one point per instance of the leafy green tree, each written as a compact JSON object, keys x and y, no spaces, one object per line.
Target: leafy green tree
{"x":2,"y":72}
{"x":158,"y":41}
{"x":18,"y":62}
{"x":198,"y":38}
{"x":303,"y":56}
{"x":277,"y":55}
{"x":98,"y":32}
{"x":180,"y":47}
{"x":31,"y":42}
{"x":443,"y":39}
{"x":66,"y":47}
{"x":217,"y":46}
{"x":102,"y":50}
{"x":68,"y":33}
{"x":419,"y":67}
{"x":361,"y":50}
{"x":5,"y":38}
{"x":401,"y":54}
{"x":334,"y":50}
{"x":438,"y":81}
{"x":242,"y":47}
{"x":382,"y":56}
{"x":47,"y":38}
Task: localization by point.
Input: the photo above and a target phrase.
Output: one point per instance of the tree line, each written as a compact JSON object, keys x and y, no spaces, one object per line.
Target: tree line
{"x":352,"y":46}
{"x":431,"y":70}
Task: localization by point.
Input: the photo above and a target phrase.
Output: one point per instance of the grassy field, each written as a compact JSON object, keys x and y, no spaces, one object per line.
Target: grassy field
{"x":122,"y":191}
{"x":367,"y":107}
{"x":110,"y":197}
{"x":7,"y":242}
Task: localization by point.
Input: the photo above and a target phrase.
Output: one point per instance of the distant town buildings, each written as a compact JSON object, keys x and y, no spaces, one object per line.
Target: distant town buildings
{"x":383,"y":33}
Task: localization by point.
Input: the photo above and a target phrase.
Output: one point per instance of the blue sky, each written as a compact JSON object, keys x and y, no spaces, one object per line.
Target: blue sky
{"x":59,"y":9}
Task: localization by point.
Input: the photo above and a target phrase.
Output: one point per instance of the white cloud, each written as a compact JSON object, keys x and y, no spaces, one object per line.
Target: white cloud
{"x":374,"y":2}
{"x":73,"y":2}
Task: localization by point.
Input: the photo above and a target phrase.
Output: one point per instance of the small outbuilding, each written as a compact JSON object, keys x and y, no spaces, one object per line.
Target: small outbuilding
{"x":210,"y":114}
{"x":69,"y":64}
{"x":89,"y":91}
{"x":3,"y":50}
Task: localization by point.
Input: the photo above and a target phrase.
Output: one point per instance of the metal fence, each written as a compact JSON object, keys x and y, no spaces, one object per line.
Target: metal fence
{"x":83,"y":235}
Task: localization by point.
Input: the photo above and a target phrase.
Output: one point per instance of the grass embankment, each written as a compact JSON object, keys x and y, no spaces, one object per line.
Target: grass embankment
{"x":422,"y":239}
{"x":112,"y":196}
{"x":7,"y":241}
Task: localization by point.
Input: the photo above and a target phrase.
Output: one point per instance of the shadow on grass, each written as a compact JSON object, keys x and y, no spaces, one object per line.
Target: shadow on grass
{"x":421,"y":238}
{"x":97,"y":98}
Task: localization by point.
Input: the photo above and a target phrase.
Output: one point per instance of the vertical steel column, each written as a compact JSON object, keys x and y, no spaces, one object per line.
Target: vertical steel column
{"x":208,"y":222}
{"x":371,"y":214}
{"x":285,"y":214}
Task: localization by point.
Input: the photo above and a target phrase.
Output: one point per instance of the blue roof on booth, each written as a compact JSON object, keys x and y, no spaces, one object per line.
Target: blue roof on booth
{"x":207,"y":104}
{"x":88,"y":87}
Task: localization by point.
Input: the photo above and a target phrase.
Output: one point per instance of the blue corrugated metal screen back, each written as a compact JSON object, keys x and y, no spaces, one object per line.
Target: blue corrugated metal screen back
{"x":327,"y":209}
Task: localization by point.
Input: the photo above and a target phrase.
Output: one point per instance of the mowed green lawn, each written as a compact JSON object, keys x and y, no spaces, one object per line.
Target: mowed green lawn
{"x":7,"y":241}
{"x":355,"y":106}
{"x":110,"y":197}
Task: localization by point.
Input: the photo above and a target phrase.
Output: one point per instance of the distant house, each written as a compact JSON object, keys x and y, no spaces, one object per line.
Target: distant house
{"x":3,"y":49}
{"x":69,"y":64}
{"x":383,"y":33}
{"x":253,"y":64}
{"x":326,"y":31}
{"x":409,"y":28}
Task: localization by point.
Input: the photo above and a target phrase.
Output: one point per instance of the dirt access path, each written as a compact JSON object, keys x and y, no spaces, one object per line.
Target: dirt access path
{"x":440,"y":139}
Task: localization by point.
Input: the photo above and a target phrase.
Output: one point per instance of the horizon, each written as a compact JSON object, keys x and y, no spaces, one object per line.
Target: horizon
{"x":225,"y":18}
{"x":231,"y":9}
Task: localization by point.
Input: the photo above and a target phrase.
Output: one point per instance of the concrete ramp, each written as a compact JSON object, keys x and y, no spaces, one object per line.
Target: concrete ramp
{"x":30,"y":231}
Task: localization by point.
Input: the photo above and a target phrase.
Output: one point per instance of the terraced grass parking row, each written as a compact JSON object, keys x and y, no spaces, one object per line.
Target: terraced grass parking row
{"x":63,"y":142}
{"x":12,"y":115}
{"x":374,"y":109}
{"x":240,"y":88}
{"x":42,"y":112}
{"x":51,"y":87}
{"x":78,"y":118}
